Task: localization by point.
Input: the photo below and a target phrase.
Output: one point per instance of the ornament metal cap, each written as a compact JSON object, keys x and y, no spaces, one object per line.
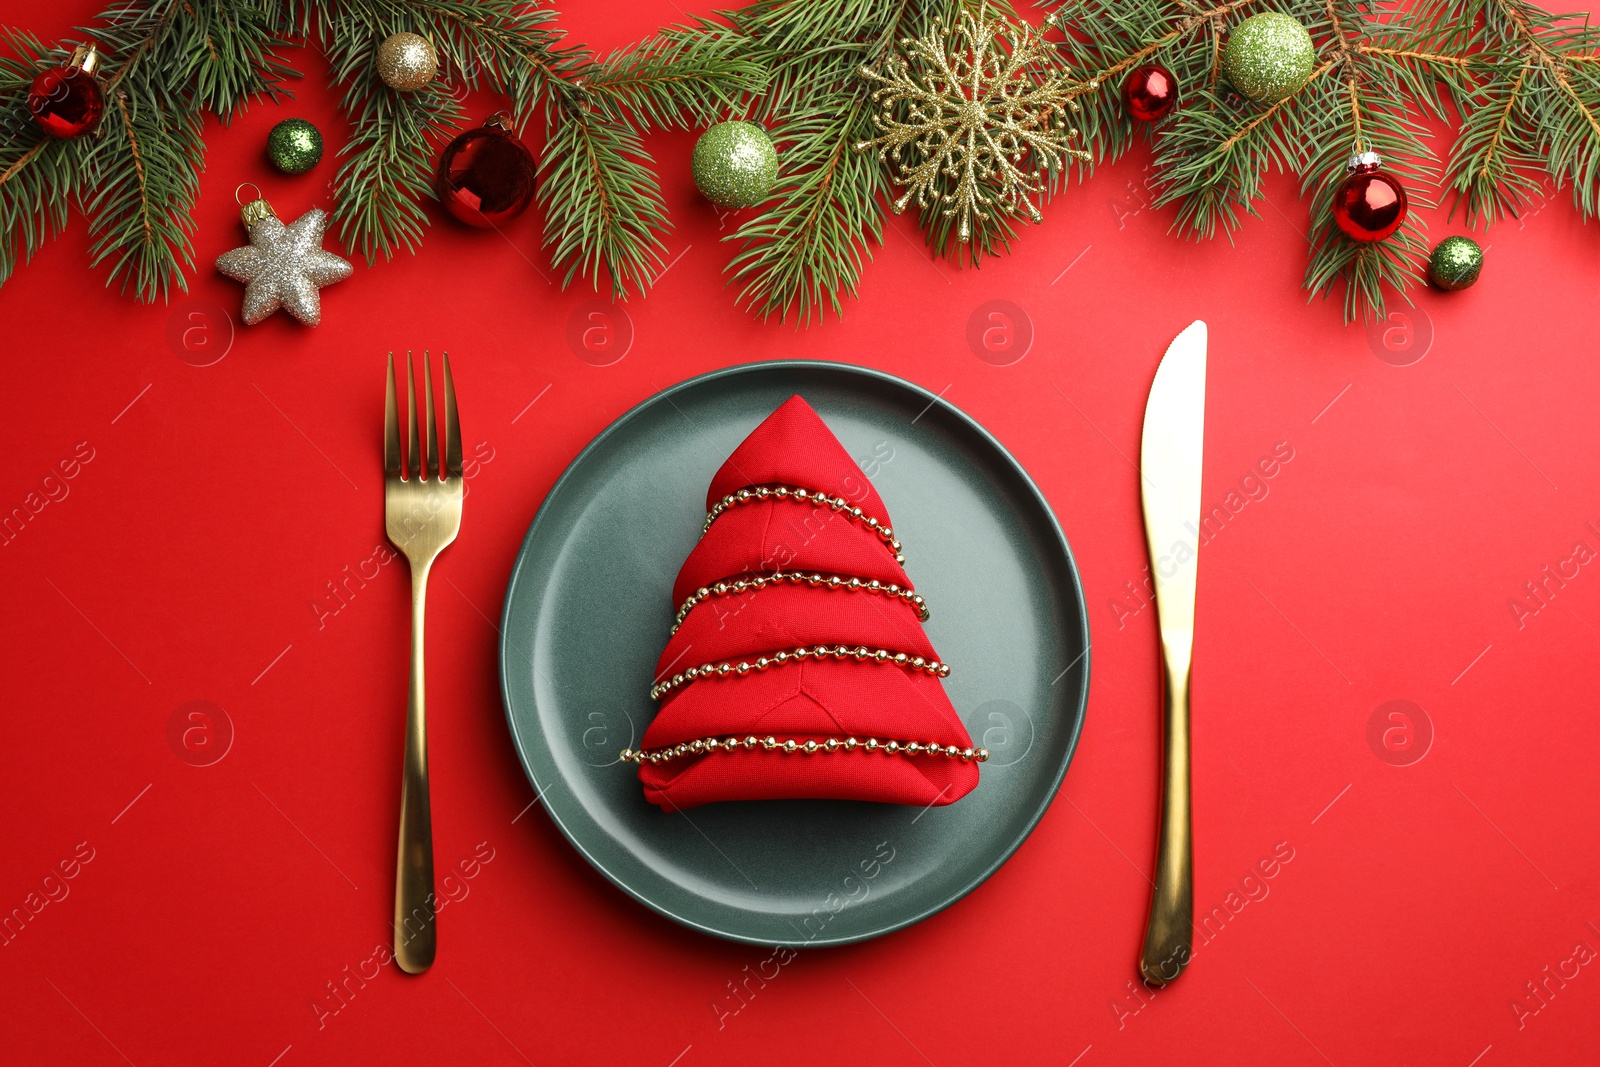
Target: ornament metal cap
{"x":86,"y":58}
{"x":500,"y":120}
{"x":255,"y":209}
{"x":1363,"y":161}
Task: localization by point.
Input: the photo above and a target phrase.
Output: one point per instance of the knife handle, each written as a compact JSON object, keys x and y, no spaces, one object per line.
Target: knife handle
{"x":1169,"y":938}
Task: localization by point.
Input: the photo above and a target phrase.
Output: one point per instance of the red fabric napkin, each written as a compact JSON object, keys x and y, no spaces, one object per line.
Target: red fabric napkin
{"x":860,"y":706}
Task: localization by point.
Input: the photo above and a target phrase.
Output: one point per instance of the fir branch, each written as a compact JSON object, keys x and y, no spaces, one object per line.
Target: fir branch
{"x":1104,"y":40}
{"x":806,"y":247}
{"x":137,"y":176}
{"x":387,"y":173}
{"x":1491,"y":171}
{"x":604,"y":212}
{"x":603,"y":207}
{"x":680,"y":78}
{"x":1536,"y":107}
{"x":1370,"y":272}
{"x":146,"y":177}
{"x":505,"y":46}
{"x":142,"y":173}
{"x":231,"y":55}
{"x":388,"y":169}
{"x":39,"y":176}
{"x":1366,"y":110}
{"x":992,"y":233}
{"x":1524,"y":83}
{"x":1212,"y":158}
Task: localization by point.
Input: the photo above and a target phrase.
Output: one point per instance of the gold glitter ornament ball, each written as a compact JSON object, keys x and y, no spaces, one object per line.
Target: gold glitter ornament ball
{"x":735,"y":164}
{"x":1455,"y":263}
{"x":407,"y":62}
{"x":1269,"y":56}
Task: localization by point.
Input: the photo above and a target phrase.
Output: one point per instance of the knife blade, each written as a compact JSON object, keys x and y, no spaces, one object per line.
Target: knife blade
{"x":1170,"y":454}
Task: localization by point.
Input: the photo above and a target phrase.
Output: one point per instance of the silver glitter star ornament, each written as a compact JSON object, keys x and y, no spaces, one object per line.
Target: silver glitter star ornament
{"x":283,"y":266}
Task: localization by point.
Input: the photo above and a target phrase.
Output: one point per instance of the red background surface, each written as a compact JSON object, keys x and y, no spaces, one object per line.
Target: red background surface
{"x":183,"y":564}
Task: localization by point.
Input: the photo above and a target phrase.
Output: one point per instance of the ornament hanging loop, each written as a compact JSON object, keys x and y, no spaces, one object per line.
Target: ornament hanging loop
{"x":242,"y":187}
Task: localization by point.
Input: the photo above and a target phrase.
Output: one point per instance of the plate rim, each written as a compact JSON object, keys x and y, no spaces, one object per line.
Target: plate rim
{"x":1048,"y":796}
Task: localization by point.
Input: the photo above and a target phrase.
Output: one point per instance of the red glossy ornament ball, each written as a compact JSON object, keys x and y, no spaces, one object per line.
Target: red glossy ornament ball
{"x":1150,"y":92}
{"x":1369,"y":204}
{"x":66,"y":101}
{"x":486,"y":175}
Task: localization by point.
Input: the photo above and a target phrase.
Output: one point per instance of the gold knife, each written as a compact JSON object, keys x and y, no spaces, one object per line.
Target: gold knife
{"x":1169,"y":469}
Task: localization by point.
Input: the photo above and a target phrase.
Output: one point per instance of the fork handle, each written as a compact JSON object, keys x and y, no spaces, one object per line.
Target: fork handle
{"x":415,"y":911}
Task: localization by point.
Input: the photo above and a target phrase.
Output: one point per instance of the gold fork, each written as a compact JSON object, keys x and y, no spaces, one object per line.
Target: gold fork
{"x":421,"y":515}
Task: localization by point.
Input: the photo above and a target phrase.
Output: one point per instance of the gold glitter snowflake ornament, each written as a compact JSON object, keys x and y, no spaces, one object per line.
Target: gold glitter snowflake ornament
{"x":985,"y":108}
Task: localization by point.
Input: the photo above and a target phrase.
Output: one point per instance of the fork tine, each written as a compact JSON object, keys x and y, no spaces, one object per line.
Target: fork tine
{"x":427,"y":403}
{"x":391,"y":426}
{"x":413,"y":453}
{"x":452,"y":427}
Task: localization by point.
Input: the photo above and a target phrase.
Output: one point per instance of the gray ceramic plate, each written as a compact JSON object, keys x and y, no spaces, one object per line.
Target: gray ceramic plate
{"x":588,"y":610}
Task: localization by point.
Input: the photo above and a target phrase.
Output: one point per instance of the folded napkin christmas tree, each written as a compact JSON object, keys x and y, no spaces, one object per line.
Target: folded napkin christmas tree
{"x":799,"y":666}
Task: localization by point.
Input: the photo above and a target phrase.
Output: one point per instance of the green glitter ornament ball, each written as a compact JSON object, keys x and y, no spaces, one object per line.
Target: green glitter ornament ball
{"x":1456,"y":263}
{"x":294,"y":146}
{"x":735,"y":164}
{"x":1268,"y":57}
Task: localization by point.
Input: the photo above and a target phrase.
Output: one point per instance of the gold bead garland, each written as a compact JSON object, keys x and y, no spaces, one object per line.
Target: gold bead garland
{"x":767,"y":661}
{"x":784,"y":492}
{"x":809,"y":747}
{"x":779,"y":659}
{"x":828,"y":581}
